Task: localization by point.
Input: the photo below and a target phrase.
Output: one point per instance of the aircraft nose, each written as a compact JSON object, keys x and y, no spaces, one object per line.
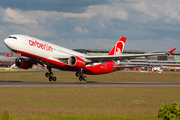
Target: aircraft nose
{"x":6,"y":42}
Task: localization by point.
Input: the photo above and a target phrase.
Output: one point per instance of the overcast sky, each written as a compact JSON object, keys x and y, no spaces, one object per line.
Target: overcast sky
{"x":149,"y":25}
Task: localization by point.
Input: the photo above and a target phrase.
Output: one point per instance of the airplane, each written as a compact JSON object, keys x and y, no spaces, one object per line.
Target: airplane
{"x":7,"y":58}
{"x":54,"y":56}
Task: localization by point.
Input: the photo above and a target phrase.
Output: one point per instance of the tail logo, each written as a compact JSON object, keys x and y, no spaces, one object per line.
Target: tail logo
{"x":118,"y":48}
{"x":118,"y":51}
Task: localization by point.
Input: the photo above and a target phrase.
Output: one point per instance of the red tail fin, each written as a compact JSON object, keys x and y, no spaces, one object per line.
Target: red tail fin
{"x":118,"y":47}
{"x":7,"y":55}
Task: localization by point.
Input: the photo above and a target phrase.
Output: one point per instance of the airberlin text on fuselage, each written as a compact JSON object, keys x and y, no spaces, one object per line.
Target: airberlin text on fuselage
{"x":44,"y":46}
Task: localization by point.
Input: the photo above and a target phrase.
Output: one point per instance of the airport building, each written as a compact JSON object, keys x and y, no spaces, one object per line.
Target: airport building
{"x":4,"y":62}
{"x":3,"y":54}
{"x":169,"y":60}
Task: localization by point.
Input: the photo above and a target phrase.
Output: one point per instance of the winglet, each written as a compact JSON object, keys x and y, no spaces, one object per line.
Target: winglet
{"x":171,"y":51}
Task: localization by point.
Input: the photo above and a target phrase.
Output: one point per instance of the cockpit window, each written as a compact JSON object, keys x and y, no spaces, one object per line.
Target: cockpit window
{"x":12,"y":37}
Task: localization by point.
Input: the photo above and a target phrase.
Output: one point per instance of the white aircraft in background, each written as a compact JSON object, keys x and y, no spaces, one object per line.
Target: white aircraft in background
{"x":61,"y":58}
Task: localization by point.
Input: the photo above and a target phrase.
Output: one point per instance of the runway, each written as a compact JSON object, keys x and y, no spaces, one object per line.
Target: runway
{"x":88,"y":84}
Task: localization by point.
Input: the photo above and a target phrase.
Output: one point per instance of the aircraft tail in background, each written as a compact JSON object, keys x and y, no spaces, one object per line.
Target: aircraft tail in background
{"x":118,"y":47}
{"x":7,"y":55}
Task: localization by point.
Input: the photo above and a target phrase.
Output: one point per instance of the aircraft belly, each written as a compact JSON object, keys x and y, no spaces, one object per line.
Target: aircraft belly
{"x":60,"y":65}
{"x":98,"y":69}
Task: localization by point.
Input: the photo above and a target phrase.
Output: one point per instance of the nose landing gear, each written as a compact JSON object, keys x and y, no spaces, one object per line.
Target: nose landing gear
{"x":53,"y":78}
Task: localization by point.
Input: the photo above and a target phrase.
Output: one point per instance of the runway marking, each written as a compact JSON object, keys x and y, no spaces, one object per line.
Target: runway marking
{"x":88,"y":84}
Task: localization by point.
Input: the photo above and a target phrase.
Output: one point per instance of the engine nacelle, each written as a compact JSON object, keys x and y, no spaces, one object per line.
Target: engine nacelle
{"x":23,"y":63}
{"x":76,"y":61}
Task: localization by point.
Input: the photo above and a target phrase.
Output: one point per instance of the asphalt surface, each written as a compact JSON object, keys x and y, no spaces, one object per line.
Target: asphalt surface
{"x":88,"y":84}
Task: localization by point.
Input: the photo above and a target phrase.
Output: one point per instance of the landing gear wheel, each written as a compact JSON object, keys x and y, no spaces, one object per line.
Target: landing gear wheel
{"x":81,"y":75}
{"x":54,"y":79}
{"x":77,"y":74}
{"x":47,"y":74}
{"x":50,"y":74}
{"x":80,"y":78}
{"x":50,"y":78}
{"x":84,"y":78}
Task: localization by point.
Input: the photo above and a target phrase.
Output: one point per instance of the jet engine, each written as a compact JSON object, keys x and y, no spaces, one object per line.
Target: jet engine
{"x":23,"y":63}
{"x":76,"y":61}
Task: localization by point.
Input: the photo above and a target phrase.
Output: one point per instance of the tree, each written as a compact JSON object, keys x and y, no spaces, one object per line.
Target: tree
{"x":171,"y":111}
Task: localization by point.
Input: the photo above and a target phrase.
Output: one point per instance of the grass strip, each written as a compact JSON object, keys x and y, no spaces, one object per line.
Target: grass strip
{"x":111,"y":77}
{"x":85,"y":103}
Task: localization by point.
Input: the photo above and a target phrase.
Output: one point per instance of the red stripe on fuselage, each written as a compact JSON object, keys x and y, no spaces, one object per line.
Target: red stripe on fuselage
{"x":93,"y":70}
{"x":49,"y":62}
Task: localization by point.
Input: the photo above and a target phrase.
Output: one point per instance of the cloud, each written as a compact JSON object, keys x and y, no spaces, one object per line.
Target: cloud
{"x":109,"y":11}
{"x":172,"y":11}
{"x":31,"y":17}
{"x":165,"y":10}
{"x":80,"y":30}
{"x":103,"y":43}
{"x":78,"y":15}
{"x":147,"y":24}
{"x":153,"y":45}
{"x":15,"y":16}
{"x":146,"y":7}
{"x":67,"y":6}
{"x":1,"y":32}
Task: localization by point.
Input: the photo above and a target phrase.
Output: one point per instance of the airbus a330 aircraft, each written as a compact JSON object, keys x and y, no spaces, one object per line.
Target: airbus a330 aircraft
{"x":42,"y":52}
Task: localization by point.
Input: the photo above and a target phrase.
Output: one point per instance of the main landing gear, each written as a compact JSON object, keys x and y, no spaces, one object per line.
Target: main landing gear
{"x":53,"y":78}
{"x":50,"y":75}
{"x":80,"y":75}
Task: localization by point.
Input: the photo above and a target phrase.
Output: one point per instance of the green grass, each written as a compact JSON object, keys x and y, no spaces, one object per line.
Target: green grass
{"x":85,"y":103}
{"x":15,"y":70}
{"x":111,"y":77}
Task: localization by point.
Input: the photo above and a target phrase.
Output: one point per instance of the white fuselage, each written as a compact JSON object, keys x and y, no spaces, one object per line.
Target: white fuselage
{"x":38,"y":47}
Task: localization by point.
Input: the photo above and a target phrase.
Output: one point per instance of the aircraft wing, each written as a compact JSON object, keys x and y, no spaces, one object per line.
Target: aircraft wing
{"x":123,"y":57}
{"x":129,"y":66}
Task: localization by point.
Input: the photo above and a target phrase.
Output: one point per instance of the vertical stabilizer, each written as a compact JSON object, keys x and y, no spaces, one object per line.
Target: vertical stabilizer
{"x":7,"y":55}
{"x":118,"y":47}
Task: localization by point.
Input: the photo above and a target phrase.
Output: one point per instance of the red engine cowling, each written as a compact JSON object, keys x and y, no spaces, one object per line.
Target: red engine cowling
{"x":76,"y":61}
{"x":23,"y":63}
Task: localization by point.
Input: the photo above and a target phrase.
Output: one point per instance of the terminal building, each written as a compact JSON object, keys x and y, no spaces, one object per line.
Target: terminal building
{"x":4,"y":62}
{"x":167,"y":60}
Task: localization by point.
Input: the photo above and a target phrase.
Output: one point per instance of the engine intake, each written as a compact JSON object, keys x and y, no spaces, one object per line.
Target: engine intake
{"x":23,"y":63}
{"x":76,"y":61}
